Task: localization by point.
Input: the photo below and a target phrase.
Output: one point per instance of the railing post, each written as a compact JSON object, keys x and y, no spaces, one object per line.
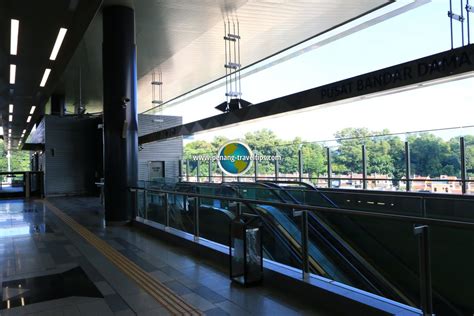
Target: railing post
{"x":422,"y":232}
{"x":196,"y":218}
{"x":304,"y":244}
{"x":222,"y":177}
{"x":187,"y":170}
{"x":407,"y":166}
{"x":462,"y":147}
{"x":145,"y":197}
{"x":167,"y":210}
{"x":364,"y":167}
{"x":328,"y":157}
{"x":209,"y":170}
{"x":300,"y":165}
{"x":198,"y":163}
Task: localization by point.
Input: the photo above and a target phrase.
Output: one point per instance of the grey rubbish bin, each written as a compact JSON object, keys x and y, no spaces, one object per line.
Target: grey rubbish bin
{"x":245,"y":251}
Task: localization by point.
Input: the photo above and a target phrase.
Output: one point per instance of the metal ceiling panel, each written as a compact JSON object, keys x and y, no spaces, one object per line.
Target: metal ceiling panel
{"x":184,"y":40}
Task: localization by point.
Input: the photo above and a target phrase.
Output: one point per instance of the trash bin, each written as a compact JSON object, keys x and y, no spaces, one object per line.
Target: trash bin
{"x":245,"y":251}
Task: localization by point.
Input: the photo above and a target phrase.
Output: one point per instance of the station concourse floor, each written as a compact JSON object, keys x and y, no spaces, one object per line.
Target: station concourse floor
{"x":49,"y":269}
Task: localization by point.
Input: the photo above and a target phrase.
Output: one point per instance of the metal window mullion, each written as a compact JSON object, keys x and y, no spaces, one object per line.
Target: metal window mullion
{"x":364,"y":167}
{"x":187,"y":170}
{"x":197,"y":170}
{"x":209,"y":170}
{"x":462,"y":147}
{"x":277,"y":169}
{"x":329,"y":162}
{"x":407,"y":166}
{"x":300,"y":165}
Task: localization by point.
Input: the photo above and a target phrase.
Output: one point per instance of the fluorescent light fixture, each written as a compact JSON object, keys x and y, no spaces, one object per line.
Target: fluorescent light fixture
{"x":33,"y":108}
{"x":57,"y":45}
{"x":9,"y":131}
{"x":15,"y":24}
{"x":10,"y":108}
{"x":45,"y":77}
{"x":1,"y":130}
{"x":28,"y":119}
{"x":24,"y":131}
{"x":10,"y":118}
{"x":12,"y":73}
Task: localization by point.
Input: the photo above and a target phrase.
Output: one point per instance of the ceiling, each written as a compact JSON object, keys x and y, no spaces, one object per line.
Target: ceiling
{"x":39,"y":24}
{"x":181,"y":38}
{"x":184,"y":40}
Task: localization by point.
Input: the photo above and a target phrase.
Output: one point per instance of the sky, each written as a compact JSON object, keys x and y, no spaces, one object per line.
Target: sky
{"x":417,"y":33}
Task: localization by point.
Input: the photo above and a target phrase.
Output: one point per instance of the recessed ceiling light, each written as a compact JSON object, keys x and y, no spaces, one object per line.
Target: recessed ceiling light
{"x":10,"y":108}
{"x":12,"y":73}
{"x":15,"y":24}
{"x":57,"y":44}
{"x":32,"y":109}
{"x":28,"y":119}
{"x":10,"y":118}
{"x":45,"y":77}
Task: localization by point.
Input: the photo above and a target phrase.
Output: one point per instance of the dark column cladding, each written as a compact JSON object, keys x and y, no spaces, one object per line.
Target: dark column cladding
{"x":120,"y":111}
{"x":58,"y":104}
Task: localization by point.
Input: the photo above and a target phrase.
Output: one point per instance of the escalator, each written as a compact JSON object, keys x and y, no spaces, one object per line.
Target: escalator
{"x":390,"y":247}
{"x":283,"y":237}
{"x":215,"y":215}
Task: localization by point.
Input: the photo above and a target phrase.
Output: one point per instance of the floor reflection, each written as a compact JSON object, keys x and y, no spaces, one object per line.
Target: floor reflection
{"x":19,"y":218}
{"x":22,"y":292}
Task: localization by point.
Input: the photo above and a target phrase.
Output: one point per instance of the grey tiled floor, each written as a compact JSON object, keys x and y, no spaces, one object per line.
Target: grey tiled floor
{"x":57,"y":248}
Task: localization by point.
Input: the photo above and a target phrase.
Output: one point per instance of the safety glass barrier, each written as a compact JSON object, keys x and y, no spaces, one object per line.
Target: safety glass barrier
{"x":381,"y":253}
{"x":12,"y":183}
{"x":21,"y":184}
{"x":140,"y":203}
{"x":436,"y":206}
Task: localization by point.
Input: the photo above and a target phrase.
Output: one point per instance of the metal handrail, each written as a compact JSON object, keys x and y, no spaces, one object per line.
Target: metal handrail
{"x":398,"y":217}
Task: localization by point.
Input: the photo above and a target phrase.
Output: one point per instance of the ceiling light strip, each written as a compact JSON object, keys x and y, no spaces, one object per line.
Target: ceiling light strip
{"x":10,"y":109}
{"x":45,"y":77}
{"x":28,"y":119}
{"x":12,"y":73}
{"x":33,"y":108}
{"x":15,"y":25}
{"x":57,"y":44}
